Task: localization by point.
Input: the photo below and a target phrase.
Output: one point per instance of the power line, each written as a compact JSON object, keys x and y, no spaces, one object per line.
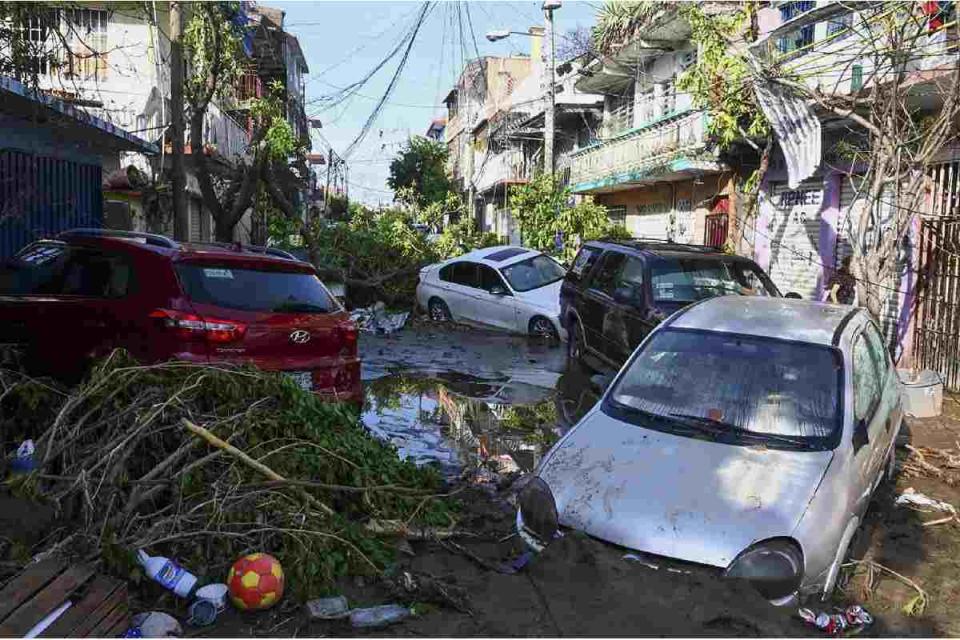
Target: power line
{"x":393,"y":81}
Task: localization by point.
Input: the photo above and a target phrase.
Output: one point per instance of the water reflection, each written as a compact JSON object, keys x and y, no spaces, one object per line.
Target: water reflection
{"x":456,"y":421}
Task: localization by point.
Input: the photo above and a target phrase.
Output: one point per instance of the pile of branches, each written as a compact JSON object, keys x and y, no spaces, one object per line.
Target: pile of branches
{"x":206,"y":463}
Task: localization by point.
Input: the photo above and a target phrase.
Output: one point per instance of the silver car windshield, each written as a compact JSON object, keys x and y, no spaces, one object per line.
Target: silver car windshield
{"x":739,"y":389}
{"x":534,"y":273}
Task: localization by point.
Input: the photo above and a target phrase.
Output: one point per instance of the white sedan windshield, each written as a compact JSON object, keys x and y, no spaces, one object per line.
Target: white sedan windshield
{"x":735,"y":385}
{"x":536,"y":272}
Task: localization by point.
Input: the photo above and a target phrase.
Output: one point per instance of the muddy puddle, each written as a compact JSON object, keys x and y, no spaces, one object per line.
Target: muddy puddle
{"x":457,"y":421}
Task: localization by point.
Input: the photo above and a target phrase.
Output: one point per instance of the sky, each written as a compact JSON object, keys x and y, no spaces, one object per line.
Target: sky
{"x":343,"y":41}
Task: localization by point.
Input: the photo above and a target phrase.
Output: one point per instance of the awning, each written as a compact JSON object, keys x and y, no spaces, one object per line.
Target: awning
{"x":21,"y":102}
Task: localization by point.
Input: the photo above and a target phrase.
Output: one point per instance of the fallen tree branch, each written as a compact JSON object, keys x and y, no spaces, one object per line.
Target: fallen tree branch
{"x":259,"y":466}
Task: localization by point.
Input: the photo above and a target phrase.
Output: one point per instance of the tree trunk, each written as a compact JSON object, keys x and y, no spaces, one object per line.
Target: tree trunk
{"x":178,"y":177}
{"x":223,"y":230}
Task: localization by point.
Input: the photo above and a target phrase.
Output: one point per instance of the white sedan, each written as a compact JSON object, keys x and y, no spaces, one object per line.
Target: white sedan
{"x":509,"y":288}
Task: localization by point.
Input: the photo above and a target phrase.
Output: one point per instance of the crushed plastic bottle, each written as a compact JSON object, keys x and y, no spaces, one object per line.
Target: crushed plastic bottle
{"x":24,"y":461}
{"x":378,"y":616}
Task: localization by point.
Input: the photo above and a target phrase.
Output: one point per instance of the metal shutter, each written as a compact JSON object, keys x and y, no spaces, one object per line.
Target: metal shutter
{"x":794,"y":235}
{"x":650,"y":221}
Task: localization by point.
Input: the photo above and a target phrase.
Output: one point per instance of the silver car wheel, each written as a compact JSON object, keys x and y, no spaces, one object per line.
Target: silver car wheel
{"x":543,"y":328}
{"x":438,"y":310}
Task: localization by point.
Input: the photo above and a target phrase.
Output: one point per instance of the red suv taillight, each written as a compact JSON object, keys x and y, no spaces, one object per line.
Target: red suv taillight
{"x":190,"y":327}
{"x":348,"y":338}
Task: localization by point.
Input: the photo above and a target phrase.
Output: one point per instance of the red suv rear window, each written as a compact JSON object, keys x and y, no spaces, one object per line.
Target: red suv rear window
{"x":255,"y":290}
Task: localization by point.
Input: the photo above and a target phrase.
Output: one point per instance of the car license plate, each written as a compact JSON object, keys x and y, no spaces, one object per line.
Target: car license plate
{"x":302,"y":378}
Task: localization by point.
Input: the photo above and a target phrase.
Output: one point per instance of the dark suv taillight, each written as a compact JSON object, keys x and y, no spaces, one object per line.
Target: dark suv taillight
{"x":193,"y":327}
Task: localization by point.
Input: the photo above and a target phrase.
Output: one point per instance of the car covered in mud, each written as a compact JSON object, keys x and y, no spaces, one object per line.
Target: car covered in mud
{"x":745,"y":435}
{"x":508,"y":288}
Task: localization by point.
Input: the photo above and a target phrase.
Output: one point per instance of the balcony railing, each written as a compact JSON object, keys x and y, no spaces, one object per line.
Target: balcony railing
{"x":642,"y":149}
{"x":224,"y":134}
{"x":493,"y":168}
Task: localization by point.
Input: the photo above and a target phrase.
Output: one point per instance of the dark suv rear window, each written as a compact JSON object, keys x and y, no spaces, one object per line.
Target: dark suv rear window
{"x":255,"y":290}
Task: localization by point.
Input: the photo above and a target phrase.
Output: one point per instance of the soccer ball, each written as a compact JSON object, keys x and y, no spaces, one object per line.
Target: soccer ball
{"x":255,"y":582}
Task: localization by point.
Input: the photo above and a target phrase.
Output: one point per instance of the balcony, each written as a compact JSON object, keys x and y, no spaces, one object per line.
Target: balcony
{"x":671,"y":147}
{"x":224,"y":135}
{"x":499,"y":168}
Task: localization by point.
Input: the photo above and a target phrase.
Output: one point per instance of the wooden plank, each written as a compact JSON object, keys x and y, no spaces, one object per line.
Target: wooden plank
{"x":48,"y":599}
{"x":27,"y":583}
{"x":114,"y":618}
{"x":118,"y":629}
{"x":117,"y":597}
{"x":99,"y":590}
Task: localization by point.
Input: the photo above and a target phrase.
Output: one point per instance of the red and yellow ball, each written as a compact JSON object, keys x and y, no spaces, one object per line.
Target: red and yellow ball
{"x":255,"y":582}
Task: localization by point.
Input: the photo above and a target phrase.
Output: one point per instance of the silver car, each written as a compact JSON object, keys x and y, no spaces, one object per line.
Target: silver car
{"x":744,"y":434}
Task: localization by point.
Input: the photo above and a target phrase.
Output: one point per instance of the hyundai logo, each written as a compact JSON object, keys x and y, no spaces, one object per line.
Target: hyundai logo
{"x":299,"y":337}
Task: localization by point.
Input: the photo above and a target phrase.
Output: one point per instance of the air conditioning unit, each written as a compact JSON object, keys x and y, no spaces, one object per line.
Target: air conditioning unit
{"x":687,"y":59}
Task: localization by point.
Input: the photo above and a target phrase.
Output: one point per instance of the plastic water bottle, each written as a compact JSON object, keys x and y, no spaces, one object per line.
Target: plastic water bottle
{"x":168,"y":573}
{"x":24,"y":461}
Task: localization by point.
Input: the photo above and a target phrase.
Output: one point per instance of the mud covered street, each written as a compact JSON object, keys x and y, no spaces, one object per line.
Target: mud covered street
{"x":461,"y":398}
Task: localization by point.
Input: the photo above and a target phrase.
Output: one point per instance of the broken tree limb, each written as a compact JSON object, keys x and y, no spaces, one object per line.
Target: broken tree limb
{"x":400,"y":529}
{"x":250,"y":462}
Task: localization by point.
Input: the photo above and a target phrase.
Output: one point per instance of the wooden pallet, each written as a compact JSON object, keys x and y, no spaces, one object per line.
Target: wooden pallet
{"x":99,"y":603}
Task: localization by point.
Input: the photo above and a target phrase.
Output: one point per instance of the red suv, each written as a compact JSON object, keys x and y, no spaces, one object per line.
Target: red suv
{"x":76,"y":298}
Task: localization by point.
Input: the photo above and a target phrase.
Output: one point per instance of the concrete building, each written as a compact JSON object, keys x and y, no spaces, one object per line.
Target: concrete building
{"x":653,"y":166}
{"x":53,"y":158}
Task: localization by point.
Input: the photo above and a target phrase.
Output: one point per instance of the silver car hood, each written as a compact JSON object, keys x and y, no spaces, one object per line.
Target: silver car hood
{"x":676,"y":496}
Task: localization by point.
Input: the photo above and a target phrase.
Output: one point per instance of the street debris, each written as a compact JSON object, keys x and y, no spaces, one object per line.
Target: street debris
{"x":872,"y":571}
{"x":23,"y":460}
{"x":167,"y":573}
{"x":920,"y":463}
{"x":255,"y":582}
{"x":154,"y":624}
{"x":211,"y":601}
{"x":412,"y":587}
{"x":375,"y":319}
{"x":925,"y":504}
{"x":202,"y":463}
{"x":381,"y":616}
{"x":328,"y":608}
{"x":853,"y":618}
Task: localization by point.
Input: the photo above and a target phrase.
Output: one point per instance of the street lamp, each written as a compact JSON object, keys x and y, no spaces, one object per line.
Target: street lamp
{"x":549,"y":6}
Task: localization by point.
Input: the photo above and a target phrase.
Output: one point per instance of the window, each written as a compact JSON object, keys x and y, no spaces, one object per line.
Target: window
{"x":98,"y":275}
{"x":609,"y":268}
{"x":796,"y":39}
{"x":751,"y":279}
{"x":255,"y":290}
{"x":790,"y":10}
{"x":617,"y":215}
{"x":691,"y":279}
{"x":533,"y":273}
{"x":36,"y":269}
{"x":87,"y":38}
{"x":838,"y":24}
{"x":462,"y":273}
{"x":734,"y":389}
{"x":630,"y":280}
{"x":37,"y":27}
{"x":866,"y":379}
{"x":878,"y":353}
{"x":586,"y":258}
{"x":490,"y":280}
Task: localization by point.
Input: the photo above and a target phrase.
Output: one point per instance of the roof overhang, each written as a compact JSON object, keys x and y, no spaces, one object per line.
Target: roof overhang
{"x":21,"y":102}
{"x":671,"y":171}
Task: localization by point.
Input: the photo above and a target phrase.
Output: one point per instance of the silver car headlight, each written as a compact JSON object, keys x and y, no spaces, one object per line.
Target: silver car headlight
{"x":538,"y":509}
{"x":774,"y":568}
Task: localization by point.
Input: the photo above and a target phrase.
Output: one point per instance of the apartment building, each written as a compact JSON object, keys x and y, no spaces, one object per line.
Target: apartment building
{"x":802,"y":233}
{"x":112,"y":61}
